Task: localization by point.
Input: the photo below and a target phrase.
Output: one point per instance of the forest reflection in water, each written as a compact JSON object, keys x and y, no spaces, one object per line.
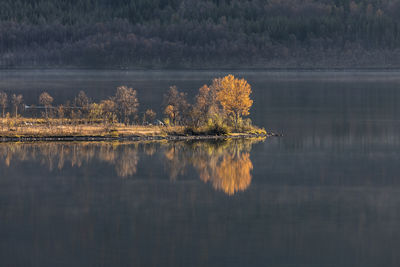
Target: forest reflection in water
{"x":225,"y":164}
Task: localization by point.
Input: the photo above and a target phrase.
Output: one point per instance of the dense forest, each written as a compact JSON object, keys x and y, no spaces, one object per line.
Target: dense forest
{"x":199,"y":33}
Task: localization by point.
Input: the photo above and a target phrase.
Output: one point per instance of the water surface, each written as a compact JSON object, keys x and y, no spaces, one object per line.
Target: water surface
{"x":325,"y":194}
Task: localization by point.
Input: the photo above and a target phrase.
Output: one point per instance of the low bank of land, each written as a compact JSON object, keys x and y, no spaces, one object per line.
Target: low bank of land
{"x":27,"y":129}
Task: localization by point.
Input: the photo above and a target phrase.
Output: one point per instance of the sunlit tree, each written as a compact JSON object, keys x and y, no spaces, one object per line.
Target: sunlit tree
{"x":82,"y":101}
{"x":172,"y":113}
{"x":149,"y":116}
{"x":109,"y":109}
{"x":95,"y":112}
{"x":46,"y":100}
{"x":127,"y":102}
{"x":204,"y":106}
{"x":17,"y":101}
{"x":3,"y":102}
{"x":176,"y":106}
{"x":61,"y":112}
{"x":234,"y":96}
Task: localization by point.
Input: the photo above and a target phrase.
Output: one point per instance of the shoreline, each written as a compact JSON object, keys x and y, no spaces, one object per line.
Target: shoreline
{"x":67,"y":130}
{"x":83,"y":138}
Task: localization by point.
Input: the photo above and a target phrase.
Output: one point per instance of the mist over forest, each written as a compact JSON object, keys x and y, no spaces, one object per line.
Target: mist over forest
{"x":200,"y":33}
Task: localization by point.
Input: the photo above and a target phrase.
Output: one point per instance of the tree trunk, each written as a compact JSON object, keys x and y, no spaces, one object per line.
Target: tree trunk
{"x":236,"y":118}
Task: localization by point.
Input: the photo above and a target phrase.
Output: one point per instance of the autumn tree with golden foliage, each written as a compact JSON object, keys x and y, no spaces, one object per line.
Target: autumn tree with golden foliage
{"x":234,"y":96}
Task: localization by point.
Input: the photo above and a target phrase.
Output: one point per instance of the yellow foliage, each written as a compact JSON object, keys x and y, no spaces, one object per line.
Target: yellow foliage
{"x":234,"y":96}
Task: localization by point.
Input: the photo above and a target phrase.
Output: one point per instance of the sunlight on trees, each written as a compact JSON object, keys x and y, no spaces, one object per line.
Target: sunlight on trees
{"x":127,"y":103}
{"x":3,"y":102}
{"x":109,"y":108}
{"x":149,"y":116}
{"x":176,"y":106}
{"x":95,"y":112}
{"x":217,"y":109}
{"x":17,"y":101}
{"x":82,"y":101}
{"x":46,"y":100}
{"x":234,"y":96}
{"x":203,"y":107}
{"x":61,"y":111}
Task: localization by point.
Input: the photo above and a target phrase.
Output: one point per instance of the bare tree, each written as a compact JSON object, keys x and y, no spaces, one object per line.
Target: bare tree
{"x":82,"y":101}
{"x":46,"y":100}
{"x":108,"y":108}
{"x":203,"y":106}
{"x":17,"y":101}
{"x":176,"y":106}
{"x":61,"y":112}
{"x":149,"y":116}
{"x":3,"y":102}
{"x":127,"y":102}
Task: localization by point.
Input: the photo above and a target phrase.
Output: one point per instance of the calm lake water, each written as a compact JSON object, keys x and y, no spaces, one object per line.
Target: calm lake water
{"x":325,"y":194}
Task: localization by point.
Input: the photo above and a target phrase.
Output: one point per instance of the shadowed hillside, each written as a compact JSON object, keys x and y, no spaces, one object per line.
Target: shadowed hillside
{"x":193,"y":33}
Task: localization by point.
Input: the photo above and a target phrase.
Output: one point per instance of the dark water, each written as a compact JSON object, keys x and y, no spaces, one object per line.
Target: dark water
{"x":325,"y":194}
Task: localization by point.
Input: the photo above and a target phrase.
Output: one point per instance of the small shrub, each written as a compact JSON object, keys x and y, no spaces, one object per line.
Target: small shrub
{"x":166,"y":121}
{"x":113,"y":132}
{"x":217,"y":129}
{"x":210,"y":129}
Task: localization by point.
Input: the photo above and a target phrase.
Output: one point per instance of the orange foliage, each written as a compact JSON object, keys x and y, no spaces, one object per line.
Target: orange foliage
{"x":234,"y":96}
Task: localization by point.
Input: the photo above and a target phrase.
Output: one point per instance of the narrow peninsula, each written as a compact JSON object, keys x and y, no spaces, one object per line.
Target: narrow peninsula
{"x":218,"y":111}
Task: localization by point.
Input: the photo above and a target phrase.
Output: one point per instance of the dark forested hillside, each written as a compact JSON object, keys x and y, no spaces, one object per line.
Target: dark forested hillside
{"x":200,"y":33}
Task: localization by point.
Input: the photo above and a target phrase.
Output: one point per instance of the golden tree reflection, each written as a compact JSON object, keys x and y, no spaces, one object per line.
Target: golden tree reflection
{"x":233,"y":174}
{"x":225,"y":164}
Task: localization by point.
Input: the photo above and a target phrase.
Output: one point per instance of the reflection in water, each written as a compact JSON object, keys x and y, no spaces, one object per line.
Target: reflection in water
{"x":57,"y":155}
{"x":233,"y":174}
{"x":225,"y":164}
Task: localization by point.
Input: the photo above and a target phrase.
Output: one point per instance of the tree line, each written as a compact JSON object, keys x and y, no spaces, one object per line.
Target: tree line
{"x":220,"y":105}
{"x":118,"y":108}
{"x":193,"y":33}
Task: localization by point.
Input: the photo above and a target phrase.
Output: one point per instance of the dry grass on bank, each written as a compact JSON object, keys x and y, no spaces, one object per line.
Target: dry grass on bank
{"x":24,"y":127}
{"x":58,"y":127}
